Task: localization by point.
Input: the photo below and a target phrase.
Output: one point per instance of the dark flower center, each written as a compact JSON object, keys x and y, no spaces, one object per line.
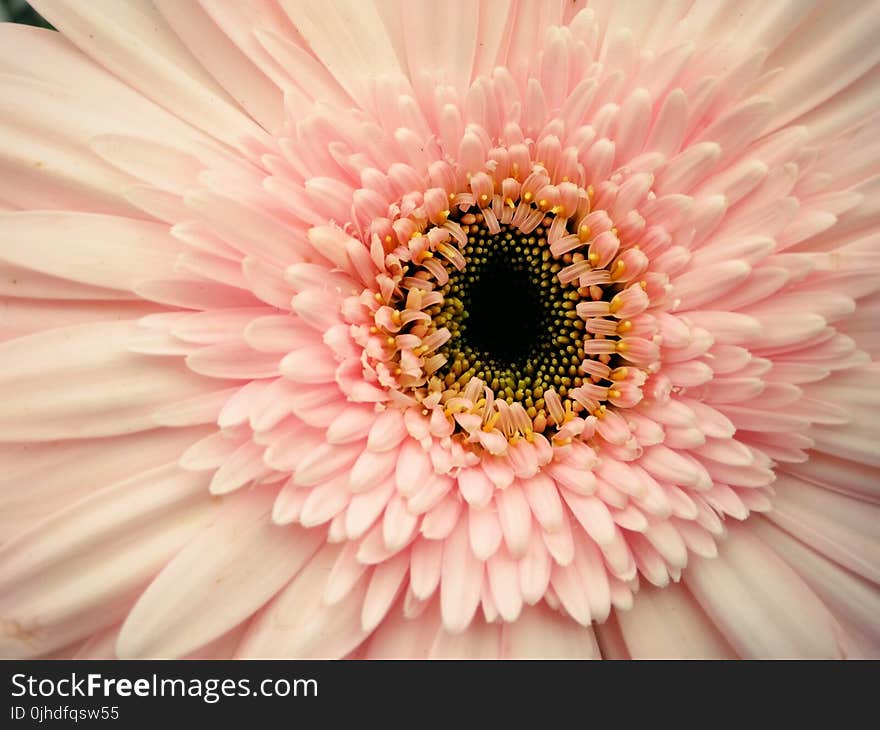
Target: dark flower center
{"x":513,"y":324}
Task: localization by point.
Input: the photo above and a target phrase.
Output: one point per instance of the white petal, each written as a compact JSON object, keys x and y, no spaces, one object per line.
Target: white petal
{"x":78,"y":571}
{"x":134,"y":41}
{"x":449,"y":56}
{"x":542,"y":633}
{"x":298,"y":624}
{"x":479,"y":641}
{"x":667,"y":623}
{"x":231,"y":569}
{"x":232,"y":68}
{"x":401,"y":638}
{"x":854,"y":602}
{"x":845,"y":529}
{"x":79,"y":382}
{"x":834,"y":48}
{"x":98,"y":250}
{"x":759,"y":604}
{"x":40,"y":479}
{"x":349,"y":37}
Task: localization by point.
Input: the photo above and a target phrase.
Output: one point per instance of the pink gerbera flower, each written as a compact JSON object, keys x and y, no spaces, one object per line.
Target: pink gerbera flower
{"x":428,"y":329}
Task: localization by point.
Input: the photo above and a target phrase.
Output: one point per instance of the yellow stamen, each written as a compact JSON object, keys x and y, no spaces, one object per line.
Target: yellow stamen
{"x":619,"y":374}
{"x":493,"y":419}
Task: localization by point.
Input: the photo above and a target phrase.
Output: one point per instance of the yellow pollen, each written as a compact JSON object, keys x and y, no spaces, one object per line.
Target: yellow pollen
{"x":388,"y":239}
{"x":590,"y":191}
{"x":619,"y":268}
{"x":527,"y":196}
{"x":493,"y":419}
{"x":510,"y":203}
{"x":374,"y":330}
{"x":484,"y":197}
{"x":390,"y":341}
{"x":643,"y":284}
{"x":600,"y":412}
{"x":557,"y":209}
{"x":395,"y":317}
{"x":619,"y":374}
{"x":377,"y":296}
{"x":614,"y":231}
{"x":416,"y":234}
{"x":593,"y":257}
{"x":451,"y":197}
{"x":621,"y":346}
{"x":625,"y":326}
{"x":615,"y":304}
{"x":614,"y":393}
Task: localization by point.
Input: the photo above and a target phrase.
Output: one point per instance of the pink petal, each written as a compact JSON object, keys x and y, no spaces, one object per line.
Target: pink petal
{"x":78,"y":382}
{"x":234,"y":565}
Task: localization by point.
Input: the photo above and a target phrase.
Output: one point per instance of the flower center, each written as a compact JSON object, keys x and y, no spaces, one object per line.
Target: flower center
{"x":509,"y":306}
{"x":513,"y":324}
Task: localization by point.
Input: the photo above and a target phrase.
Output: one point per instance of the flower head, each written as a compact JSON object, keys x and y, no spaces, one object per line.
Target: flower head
{"x":380,"y":340}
